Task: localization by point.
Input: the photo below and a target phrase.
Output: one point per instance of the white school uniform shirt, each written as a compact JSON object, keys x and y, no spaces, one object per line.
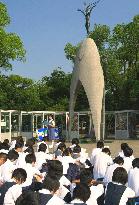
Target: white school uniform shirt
{"x":64,"y":181}
{"x":65,"y":162}
{"x":6,"y":170}
{"x":21,"y":160}
{"x":128,"y":193}
{"x":12,"y":194}
{"x":1,"y":178}
{"x":56,"y":146}
{"x":133,"y":176}
{"x":83,"y":156}
{"x":127,"y":163}
{"x":41,"y":158}
{"x":72,"y":146}
{"x":63,"y":190}
{"x":109,"y":173}
{"x":12,"y":144}
{"x":52,"y":122}
{"x":96,"y":191}
{"x":31,"y":171}
{"x":102,"y":161}
{"x":54,"y":200}
{"x":121,"y":154}
{"x":5,"y":151}
{"x":77,"y":201}
{"x":95,"y":151}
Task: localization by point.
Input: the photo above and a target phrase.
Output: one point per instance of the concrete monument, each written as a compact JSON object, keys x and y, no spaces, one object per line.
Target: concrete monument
{"x":88,"y":72}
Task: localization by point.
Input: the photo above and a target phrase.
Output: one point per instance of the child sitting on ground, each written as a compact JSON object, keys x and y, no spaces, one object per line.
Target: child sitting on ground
{"x":10,"y":191}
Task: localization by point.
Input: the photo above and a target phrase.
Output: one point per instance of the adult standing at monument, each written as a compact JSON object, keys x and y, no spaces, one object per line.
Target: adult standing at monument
{"x":51,"y":128}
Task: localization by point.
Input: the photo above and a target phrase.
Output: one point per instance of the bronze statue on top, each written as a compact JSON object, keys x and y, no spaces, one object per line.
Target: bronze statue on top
{"x":87,"y":13}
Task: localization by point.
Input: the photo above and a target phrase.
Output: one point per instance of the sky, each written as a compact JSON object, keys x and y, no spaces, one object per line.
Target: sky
{"x":46,"y":26}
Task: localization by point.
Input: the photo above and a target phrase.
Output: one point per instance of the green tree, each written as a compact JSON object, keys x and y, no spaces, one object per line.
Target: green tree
{"x":19,"y":93}
{"x":54,"y":90}
{"x":11,"y":46}
{"x":70,"y":51}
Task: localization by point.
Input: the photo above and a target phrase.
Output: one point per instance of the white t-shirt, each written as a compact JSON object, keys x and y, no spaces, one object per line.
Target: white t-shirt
{"x":41,"y":158}
{"x":63,"y":190}
{"x":95,"y":151}
{"x":21,"y":160}
{"x":127,"y":163}
{"x":121,"y":154}
{"x":96,"y":191}
{"x":101,"y":162}
{"x":109,"y":172}
{"x":6,"y":170}
{"x":12,"y":194}
{"x":76,"y":201}
{"x":133,"y":176}
{"x":65,"y":162}
{"x":31,"y":171}
{"x":12,"y":144}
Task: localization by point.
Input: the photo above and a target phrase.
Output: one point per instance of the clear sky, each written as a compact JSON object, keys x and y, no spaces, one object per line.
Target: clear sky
{"x":45,"y":27}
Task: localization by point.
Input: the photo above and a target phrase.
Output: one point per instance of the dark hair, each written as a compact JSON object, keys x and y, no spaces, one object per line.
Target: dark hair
{"x":12,"y":155}
{"x":30,"y":158}
{"x":118,"y":160}
{"x":19,"y":174}
{"x":29,"y":150}
{"x":18,"y":145}
{"x":123,"y":146}
{"x":120,"y":175}
{"x":128,"y":151}
{"x":85,"y":176}
{"x":106,"y":150}
{"x":82,"y":192}
{"x":42,"y":147}
{"x":77,"y":149}
{"x":28,"y":198}
{"x":75,"y":141}
{"x":20,"y":140}
{"x":55,"y":169}
{"x":67,"y":152}
{"x":6,"y":141}
{"x":5,"y":146}
{"x":135,"y":163}
{"x":61,"y":146}
{"x":52,"y":184}
{"x":51,"y":115}
{"x":100,"y":144}
{"x":30,"y":143}
{"x":3,"y":155}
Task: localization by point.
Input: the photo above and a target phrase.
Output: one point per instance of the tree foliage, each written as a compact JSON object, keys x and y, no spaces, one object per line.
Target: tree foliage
{"x":57,"y":86}
{"x":11,"y":46}
{"x":119,"y":53}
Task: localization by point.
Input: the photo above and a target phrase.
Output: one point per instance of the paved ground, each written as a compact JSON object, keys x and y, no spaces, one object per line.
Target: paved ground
{"x":114,"y":146}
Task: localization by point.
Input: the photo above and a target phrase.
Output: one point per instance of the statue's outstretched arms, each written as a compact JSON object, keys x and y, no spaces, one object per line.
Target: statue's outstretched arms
{"x":81,"y":11}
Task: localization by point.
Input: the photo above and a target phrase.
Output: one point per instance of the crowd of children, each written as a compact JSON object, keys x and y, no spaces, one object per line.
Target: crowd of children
{"x":31,"y":174}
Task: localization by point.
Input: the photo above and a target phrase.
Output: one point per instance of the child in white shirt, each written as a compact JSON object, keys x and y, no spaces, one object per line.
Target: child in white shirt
{"x":9,"y":166}
{"x":18,"y":177}
{"x":133,"y":176}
